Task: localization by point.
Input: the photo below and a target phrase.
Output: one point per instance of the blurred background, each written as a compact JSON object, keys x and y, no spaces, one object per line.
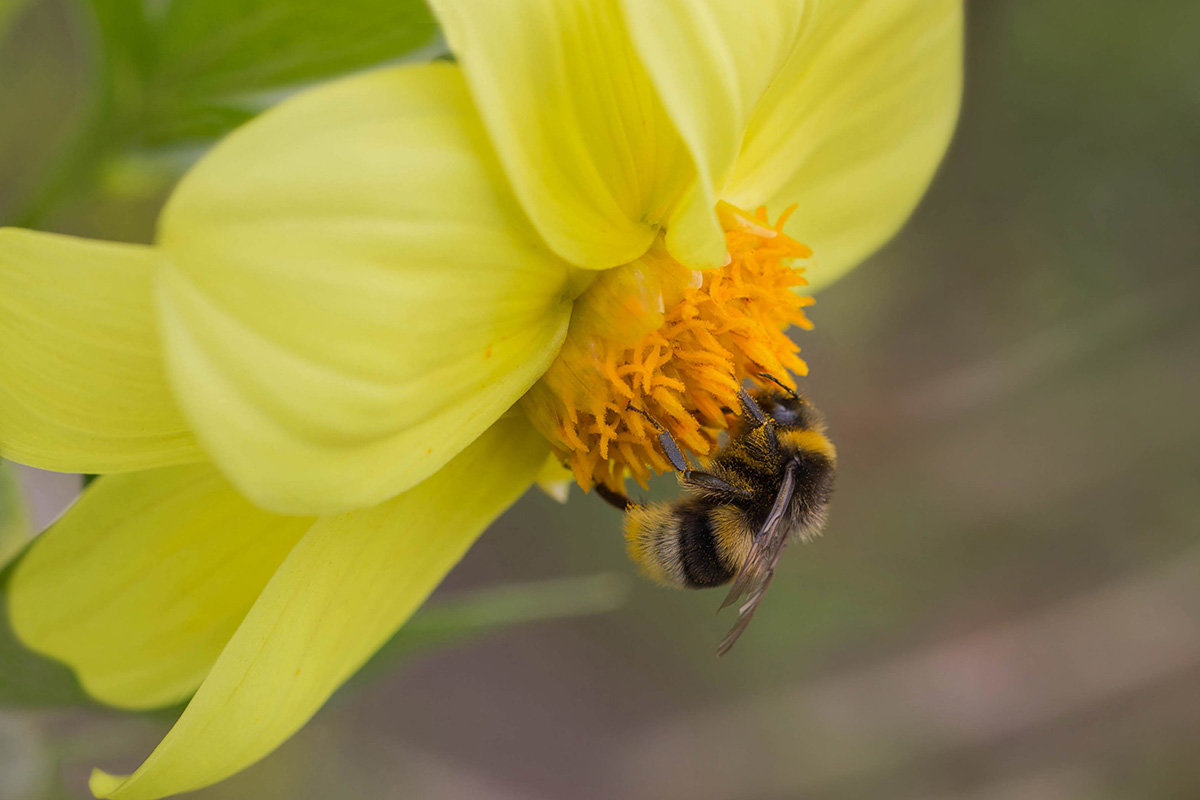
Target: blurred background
{"x":1006,"y":603}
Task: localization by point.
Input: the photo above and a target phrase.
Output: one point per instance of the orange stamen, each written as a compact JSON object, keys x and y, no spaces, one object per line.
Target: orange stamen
{"x":659,"y":337}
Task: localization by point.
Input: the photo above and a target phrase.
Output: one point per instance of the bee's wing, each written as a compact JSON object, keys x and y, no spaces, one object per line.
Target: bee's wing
{"x":755,"y":575}
{"x":768,"y":543}
{"x":746,"y":612}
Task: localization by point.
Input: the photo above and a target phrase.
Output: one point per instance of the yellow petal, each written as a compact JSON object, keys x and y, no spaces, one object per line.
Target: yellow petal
{"x":584,"y":139}
{"x":82,"y":387}
{"x":340,"y":594}
{"x":854,"y":125}
{"x":353,"y":294}
{"x":140,"y":585}
{"x":711,"y":61}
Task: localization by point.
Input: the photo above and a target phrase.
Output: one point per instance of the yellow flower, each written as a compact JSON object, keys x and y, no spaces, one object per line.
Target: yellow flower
{"x":372,"y":313}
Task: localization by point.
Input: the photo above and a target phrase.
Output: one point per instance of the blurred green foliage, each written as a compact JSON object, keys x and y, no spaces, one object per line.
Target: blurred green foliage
{"x":14,"y":520}
{"x":204,"y":66}
{"x":26,"y":679}
{"x":165,"y":75}
{"x":487,"y":611}
{"x":8,"y":10}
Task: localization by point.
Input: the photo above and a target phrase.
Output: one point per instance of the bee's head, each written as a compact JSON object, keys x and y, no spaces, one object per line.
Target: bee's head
{"x":790,"y":411}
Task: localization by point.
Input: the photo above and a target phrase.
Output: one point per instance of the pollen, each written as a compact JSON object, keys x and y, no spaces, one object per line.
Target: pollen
{"x":653,"y":336}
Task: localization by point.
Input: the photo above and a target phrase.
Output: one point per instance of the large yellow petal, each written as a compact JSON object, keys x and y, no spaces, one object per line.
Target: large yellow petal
{"x":341,"y":593}
{"x":575,"y":119}
{"x":854,"y":125}
{"x":711,"y":61}
{"x":140,"y":585}
{"x":82,"y":386}
{"x":353,"y":294}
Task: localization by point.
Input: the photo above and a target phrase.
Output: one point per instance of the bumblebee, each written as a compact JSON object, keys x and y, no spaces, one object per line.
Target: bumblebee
{"x":769,"y":483}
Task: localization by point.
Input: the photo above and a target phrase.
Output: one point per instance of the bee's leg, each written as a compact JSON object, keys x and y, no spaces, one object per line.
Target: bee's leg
{"x":753,"y":412}
{"x":667,"y":442}
{"x":697,"y":478}
{"x":614,"y":498}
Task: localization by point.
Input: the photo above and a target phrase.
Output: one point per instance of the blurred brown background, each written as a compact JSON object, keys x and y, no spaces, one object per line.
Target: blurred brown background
{"x":1006,"y":605}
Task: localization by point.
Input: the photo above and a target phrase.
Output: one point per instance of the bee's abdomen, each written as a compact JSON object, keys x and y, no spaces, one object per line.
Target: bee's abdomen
{"x":701,"y":560}
{"x":679,"y":544}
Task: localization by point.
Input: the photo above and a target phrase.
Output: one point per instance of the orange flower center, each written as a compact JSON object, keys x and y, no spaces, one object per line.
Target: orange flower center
{"x":674,"y":343}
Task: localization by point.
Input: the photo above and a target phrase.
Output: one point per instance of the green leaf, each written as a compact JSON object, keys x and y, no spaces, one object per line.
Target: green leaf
{"x":205,"y":66}
{"x":172,"y":74}
{"x":173,"y":121}
{"x":490,"y":610}
{"x":214,"y":47}
{"x":214,"y":55}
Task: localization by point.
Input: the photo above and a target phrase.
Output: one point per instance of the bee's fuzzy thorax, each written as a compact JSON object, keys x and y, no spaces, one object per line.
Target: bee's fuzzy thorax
{"x":809,"y":441}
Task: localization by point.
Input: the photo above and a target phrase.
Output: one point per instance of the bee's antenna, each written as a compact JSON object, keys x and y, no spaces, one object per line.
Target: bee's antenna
{"x":777,"y":382}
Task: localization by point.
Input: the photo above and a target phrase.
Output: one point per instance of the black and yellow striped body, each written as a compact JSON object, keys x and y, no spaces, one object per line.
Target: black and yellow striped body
{"x":703,"y":539}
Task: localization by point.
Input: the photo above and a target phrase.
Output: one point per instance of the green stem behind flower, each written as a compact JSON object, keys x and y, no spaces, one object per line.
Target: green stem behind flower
{"x":488,"y":610}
